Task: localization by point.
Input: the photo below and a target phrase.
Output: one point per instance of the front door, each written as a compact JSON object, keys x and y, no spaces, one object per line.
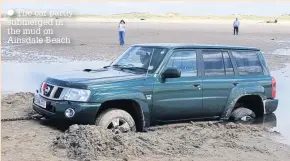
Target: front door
{"x":218,"y":80}
{"x":179,"y":98}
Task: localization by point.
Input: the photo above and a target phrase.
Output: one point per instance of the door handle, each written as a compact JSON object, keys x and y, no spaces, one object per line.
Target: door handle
{"x":196,"y":85}
{"x":235,"y":83}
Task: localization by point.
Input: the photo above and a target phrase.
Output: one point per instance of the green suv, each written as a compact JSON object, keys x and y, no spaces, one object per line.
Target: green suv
{"x":155,"y":83}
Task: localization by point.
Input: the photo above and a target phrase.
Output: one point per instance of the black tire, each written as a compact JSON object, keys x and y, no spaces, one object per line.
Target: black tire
{"x":106,"y":117}
{"x":241,"y":112}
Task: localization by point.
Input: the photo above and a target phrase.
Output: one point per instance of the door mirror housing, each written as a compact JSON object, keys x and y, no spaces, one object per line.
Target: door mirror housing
{"x":171,"y":73}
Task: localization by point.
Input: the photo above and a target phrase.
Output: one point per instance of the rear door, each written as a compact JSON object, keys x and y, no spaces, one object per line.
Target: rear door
{"x":218,"y":80}
{"x":179,"y":98}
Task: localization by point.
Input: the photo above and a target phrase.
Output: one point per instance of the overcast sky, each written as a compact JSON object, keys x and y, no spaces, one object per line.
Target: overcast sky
{"x":186,"y":8}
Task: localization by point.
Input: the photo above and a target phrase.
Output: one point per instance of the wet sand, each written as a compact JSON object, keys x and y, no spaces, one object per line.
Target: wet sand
{"x":33,"y":139}
{"x":99,"y":41}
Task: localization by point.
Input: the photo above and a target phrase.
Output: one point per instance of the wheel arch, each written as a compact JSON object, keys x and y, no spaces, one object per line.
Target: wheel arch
{"x":239,"y":94}
{"x":138,"y":109}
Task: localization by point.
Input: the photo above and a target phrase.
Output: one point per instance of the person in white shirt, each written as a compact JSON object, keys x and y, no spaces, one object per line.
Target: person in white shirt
{"x":236,"y":26}
{"x":121,"y":30}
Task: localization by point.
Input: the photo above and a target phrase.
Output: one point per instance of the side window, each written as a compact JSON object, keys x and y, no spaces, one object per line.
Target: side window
{"x":185,"y":61}
{"x":248,"y":62}
{"x":228,"y":64}
{"x":213,"y":63}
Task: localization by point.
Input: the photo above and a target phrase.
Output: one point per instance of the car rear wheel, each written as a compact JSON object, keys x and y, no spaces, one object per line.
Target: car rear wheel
{"x":119,"y":121}
{"x":242,"y":114}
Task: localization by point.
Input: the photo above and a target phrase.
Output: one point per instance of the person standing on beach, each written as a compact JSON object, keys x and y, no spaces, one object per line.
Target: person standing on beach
{"x":236,"y":26}
{"x":121,"y":30}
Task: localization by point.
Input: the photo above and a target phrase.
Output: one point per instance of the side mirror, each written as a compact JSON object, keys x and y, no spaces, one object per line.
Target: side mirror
{"x":171,"y":73}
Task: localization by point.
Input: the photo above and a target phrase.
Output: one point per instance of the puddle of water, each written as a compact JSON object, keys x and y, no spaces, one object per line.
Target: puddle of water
{"x":26,"y":77}
{"x":283,"y":112}
{"x":283,"y":41}
{"x":282,"y":52}
{"x":11,"y":55}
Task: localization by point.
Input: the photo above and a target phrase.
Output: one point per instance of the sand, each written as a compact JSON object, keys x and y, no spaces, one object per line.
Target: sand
{"x":196,"y":141}
{"x":36,"y":139}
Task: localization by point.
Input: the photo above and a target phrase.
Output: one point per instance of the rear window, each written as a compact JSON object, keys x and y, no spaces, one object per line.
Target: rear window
{"x":248,"y":62}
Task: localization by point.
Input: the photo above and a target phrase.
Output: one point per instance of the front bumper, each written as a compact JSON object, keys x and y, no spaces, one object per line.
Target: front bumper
{"x":85,"y":113}
{"x":270,"y":105}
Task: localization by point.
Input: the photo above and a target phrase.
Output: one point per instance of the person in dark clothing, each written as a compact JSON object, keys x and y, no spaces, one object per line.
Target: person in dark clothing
{"x":236,"y":26}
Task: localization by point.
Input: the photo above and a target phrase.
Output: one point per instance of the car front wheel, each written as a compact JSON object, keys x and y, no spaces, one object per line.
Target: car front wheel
{"x":119,"y":121}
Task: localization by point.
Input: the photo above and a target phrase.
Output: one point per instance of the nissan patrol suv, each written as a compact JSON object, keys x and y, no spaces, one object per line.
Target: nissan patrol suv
{"x":158,"y":83}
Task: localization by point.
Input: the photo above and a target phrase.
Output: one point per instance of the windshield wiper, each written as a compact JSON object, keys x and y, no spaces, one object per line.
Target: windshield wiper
{"x":135,"y":68}
{"x":116,"y":65}
{"x":122,"y":67}
{"x":87,"y":70}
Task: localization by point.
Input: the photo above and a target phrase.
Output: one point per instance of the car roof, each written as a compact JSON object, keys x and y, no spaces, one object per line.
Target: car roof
{"x":196,"y":46}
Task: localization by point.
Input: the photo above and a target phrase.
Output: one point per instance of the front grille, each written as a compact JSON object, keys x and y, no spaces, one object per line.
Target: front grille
{"x":51,"y":91}
{"x":58,"y":92}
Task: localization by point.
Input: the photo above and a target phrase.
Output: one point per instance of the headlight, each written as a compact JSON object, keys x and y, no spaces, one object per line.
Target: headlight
{"x":77,"y":95}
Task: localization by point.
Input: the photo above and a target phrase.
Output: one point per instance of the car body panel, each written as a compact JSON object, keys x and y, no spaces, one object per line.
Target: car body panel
{"x":177,"y":98}
{"x":55,"y":110}
{"x":84,"y":79}
{"x":215,"y":93}
{"x":242,"y":89}
{"x":137,"y":90}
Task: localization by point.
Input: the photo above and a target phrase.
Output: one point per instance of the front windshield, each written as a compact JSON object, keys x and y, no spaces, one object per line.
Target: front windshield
{"x":141,"y":58}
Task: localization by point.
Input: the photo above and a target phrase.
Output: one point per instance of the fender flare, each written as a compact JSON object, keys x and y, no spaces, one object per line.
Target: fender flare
{"x":137,"y":97}
{"x":239,"y":92}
